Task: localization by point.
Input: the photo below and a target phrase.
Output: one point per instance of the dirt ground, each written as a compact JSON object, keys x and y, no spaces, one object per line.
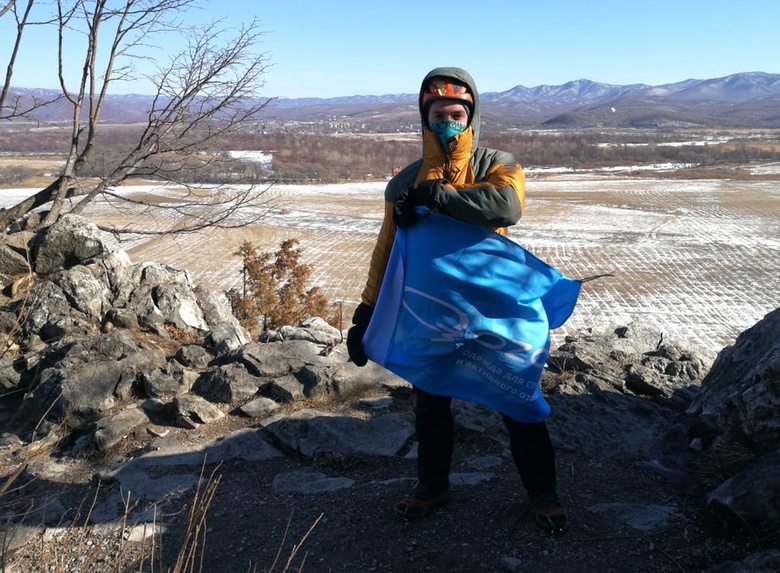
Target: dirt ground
{"x":484,"y":529}
{"x":251,"y":527}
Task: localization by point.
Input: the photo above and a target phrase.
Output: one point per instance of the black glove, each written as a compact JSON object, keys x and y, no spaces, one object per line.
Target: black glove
{"x":360,"y":321}
{"x":404,"y":210}
{"x":429,"y":193}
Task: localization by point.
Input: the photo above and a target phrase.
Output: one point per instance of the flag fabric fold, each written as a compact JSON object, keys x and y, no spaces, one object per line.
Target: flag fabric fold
{"x":467,"y":313}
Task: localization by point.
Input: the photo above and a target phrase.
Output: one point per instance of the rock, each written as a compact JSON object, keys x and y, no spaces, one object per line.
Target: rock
{"x":376,"y":403}
{"x":116,"y":272}
{"x":226,"y":338}
{"x":12,"y":262}
{"x":763,"y":562}
{"x":50,"y":307}
{"x":72,"y":240}
{"x":228,"y":383}
{"x":81,"y":382}
{"x":216,"y":311}
{"x":641,"y":517}
{"x":193,"y":411}
{"x":193,"y":356}
{"x":10,"y":378}
{"x":167,"y":382}
{"x":274,"y":360}
{"x":285,"y":389}
{"x":752,"y":495}
{"x":110,"y":430}
{"x":178,"y":306}
{"x":141,"y":476}
{"x":740,"y":396}
{"x":85,"y":292}
{"x":313,"y":433}
{"x":462,"y":479}
{"x":260,"y":407}
{"x":313,"y":330}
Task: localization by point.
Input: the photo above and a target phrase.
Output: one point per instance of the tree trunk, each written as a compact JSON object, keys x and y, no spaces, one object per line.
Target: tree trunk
{"x":10,"y":216}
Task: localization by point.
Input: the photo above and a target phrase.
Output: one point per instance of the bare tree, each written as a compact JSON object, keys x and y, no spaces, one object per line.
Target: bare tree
{"x":203,"y":94}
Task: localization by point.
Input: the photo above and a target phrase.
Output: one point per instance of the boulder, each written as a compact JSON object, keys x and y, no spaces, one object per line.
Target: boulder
{"x":85,"y":292}
{"x":72,"y":240}
{"x":313,"y":433}
{"x":740,"y":396}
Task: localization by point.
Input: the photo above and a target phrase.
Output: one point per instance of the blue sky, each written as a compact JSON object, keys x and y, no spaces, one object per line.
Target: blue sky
{"x":359,"y":47}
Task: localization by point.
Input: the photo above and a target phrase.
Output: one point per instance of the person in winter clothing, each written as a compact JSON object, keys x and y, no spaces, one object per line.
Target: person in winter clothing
{"x":481,"y":186}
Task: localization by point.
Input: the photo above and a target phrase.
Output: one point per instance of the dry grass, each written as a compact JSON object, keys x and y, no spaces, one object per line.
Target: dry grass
{"x":123,"y":546}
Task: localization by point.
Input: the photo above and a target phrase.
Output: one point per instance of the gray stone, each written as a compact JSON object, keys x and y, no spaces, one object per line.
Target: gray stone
{"x":752,"y":495}
{"x":314,"y":433}
{"x":154,"y":274}
{"x":376,"y":403}
{"x":141,"y":477}
{"x":228,"y":383}
{"x":10,"y":378}
{"x":274,"y":360}
{"x":194,"y":411}
{"x":81,"y":382}
{"x":226,"y":337}
{"x":216,"y":310}
{"x":116,"y":271}
{"x":111,"y":430}
{"x":313,"y":330}
{"x":12,"y":262}
{"x":484,"y":462}
{"x":178,"y":306}
{"x":85,"y":292}
{"x":167,"y":382}
{"x":194,"y":356}
{"x":72,"y":240}
{"x":740,"y":396}
{"x":644,"y":518}
{"x":285,"y":389}
{"x":260,"y":407}
{"x":463,"y":479}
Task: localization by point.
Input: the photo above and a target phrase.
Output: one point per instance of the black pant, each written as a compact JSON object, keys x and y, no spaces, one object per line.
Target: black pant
{"x":529,"y":443}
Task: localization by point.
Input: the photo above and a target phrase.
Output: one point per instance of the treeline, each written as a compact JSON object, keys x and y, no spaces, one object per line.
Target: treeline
{"x":589,"y":151}
{"x":330,"y":158}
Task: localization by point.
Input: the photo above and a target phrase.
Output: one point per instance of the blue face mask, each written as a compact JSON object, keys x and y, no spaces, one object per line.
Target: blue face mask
{"x":446,"y":129}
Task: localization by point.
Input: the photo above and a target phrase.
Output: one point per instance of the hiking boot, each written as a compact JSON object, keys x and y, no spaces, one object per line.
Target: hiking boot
{"x":421,"y":502}
{"x":548,"y":512}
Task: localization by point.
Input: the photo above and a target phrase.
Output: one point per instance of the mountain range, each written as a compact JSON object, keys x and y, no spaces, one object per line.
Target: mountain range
{"x":743,"y":100}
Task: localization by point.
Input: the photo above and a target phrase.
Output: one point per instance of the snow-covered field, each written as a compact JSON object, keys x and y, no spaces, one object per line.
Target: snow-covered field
{"x":700,"y":259}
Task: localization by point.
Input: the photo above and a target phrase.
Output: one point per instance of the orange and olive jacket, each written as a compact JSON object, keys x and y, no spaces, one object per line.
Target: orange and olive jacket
{"x":485,"y":186}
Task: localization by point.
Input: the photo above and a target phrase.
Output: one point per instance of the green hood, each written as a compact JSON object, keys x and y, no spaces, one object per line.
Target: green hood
{"x":462,"y":76}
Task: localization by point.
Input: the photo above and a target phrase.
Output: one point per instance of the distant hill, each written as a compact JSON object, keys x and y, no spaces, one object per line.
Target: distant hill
{"x":744,"y":100}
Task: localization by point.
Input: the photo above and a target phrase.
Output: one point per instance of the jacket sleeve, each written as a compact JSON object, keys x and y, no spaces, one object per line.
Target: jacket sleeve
{"x":497,"y":201}
{"x":379,"y":257}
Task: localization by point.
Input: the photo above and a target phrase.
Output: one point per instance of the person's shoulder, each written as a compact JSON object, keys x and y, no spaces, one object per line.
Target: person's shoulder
{"x":493,"y":156}
{"x":402,"y":181}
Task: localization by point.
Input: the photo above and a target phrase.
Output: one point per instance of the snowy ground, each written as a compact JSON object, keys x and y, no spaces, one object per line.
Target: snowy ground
{"x":701,"y":259}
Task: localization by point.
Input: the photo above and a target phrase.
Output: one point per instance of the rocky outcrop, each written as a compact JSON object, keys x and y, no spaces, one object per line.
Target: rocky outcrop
{"x":739,"y":399}
{"x":738,"y":408}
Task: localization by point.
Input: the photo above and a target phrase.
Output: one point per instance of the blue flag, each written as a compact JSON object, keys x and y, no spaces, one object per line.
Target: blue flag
{"x":467,"y":313}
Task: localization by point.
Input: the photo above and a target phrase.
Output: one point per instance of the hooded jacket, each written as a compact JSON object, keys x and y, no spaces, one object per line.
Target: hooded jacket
{"x":485,"y":187}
